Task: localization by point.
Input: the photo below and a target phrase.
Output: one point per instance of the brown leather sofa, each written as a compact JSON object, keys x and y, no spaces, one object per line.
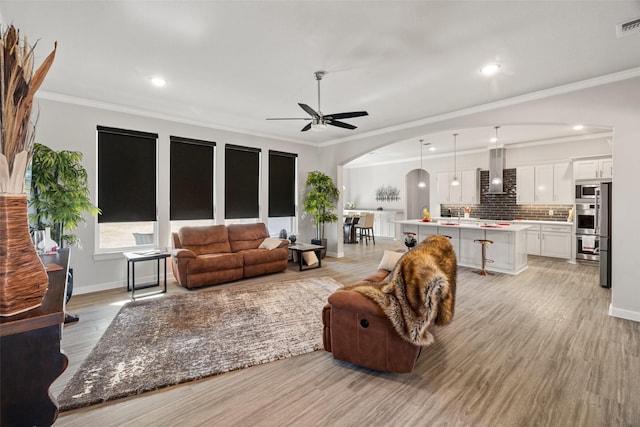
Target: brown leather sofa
{"x":366,"y":337}
{"x":214,"y":254}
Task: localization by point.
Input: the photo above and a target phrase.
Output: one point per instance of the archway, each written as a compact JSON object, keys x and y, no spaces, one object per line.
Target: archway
{"x":418,"y":183}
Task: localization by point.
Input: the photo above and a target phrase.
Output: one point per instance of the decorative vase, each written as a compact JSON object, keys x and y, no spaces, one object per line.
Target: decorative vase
{"x":49,"y":243}
{"x":23,"y":278}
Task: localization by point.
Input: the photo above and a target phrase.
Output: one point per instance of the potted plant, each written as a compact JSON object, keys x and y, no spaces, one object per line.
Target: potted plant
{"x":59,"y":193}
{"x":59,"y":197}
{"x":319,"y":202}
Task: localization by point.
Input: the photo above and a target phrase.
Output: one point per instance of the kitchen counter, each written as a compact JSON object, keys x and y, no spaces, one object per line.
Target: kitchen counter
{"x":508,"y":251}
{"x":469,"y":224}
{"x":532,"y":221}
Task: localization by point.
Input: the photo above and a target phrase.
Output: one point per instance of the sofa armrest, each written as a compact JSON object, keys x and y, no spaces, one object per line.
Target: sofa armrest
{"x":182,"y":253}
{"x":284,"y":243}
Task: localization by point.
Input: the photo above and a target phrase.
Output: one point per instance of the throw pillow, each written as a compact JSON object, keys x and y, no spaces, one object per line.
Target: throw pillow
{"x":310,"y":258}
{"x":270,"y":243}
{"x":389,"y":260}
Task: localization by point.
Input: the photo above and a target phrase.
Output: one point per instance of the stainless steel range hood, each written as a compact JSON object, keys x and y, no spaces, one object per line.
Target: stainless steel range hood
{"x":496,"y":167}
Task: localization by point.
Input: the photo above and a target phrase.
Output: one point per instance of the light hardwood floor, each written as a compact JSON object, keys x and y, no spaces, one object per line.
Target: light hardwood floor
{"x":537,"y":349}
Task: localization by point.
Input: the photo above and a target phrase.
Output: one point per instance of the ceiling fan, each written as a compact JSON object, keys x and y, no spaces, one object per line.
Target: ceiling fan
{"x":319,"y":121}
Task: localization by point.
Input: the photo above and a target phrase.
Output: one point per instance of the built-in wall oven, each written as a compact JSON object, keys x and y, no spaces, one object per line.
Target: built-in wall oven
{"x":588,"y":247}
{"x":587,"y":221}
{"x":586,"y":217}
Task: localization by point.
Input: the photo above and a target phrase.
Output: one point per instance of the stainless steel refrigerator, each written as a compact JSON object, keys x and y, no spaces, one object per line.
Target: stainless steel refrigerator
{"x":604,"y":231}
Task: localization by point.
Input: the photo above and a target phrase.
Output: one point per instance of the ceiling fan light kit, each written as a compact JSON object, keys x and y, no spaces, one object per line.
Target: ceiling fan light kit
{"x":318,"y":121}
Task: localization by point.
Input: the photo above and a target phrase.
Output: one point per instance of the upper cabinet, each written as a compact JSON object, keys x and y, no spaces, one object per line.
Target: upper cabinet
{"x":470,"y":187}
{"x":544,"y":184}
{"x":593,"y":169}
{"x":468,"y":192}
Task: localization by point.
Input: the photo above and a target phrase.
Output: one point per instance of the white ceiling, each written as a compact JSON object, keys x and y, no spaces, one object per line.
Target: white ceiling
{"x":232,"y":64}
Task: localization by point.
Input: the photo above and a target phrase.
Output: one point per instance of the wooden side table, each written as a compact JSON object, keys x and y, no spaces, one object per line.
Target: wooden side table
{"x":152,"y":255}
{"x":30,"y":357}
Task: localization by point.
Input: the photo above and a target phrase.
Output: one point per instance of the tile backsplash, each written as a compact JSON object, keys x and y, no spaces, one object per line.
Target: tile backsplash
{"x":503,"y":206}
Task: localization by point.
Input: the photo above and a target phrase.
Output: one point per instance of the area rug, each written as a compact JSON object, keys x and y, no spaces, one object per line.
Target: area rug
{"x":159,"y":342}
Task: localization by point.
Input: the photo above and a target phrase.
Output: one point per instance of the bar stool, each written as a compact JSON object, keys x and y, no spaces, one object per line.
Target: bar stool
{"x":484,"y":244}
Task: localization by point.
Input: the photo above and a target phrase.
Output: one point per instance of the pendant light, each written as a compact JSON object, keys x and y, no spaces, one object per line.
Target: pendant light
{"x":455,"y":181}
{"x":421,"y":184}
{"x":496,"y":179}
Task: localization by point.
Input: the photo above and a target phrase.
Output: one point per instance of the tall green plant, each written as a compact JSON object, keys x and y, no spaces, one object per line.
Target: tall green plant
{"x":320,"y":199}
{"x":59,"y":193}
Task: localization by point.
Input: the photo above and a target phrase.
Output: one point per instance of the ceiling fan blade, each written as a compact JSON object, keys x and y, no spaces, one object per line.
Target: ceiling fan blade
{"x":347,"y":115}
{"x":309,"y":110}
{"x":306,"y":128}
{"x":340,"y":124}
{"x":289,"y":118}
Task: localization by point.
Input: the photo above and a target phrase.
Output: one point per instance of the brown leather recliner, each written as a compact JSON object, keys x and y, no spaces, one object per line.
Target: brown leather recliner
{"x":382,"y":322}
{"x":366,"y":337}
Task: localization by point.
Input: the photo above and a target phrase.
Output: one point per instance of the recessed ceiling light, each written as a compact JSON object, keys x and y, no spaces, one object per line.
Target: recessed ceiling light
{"x":158,"y":81}
{"x":490,"y":69}
{"x":432,"y":148}
{"x":578,"y":127}
{"x":493,"y":139}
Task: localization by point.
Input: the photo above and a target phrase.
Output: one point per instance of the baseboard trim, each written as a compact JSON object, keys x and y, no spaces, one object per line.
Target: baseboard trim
{"x":624,"y":314}
{"x":98,"y":287}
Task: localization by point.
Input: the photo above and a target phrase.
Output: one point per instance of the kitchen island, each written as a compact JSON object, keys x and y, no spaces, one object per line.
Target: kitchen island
{"x":508,"y":251}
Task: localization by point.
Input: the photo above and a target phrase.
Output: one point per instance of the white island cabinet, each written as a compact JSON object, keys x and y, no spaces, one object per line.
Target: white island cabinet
{"x":508,"y":251}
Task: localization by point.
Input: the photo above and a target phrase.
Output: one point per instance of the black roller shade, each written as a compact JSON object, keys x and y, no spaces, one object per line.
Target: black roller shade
{"x":282,"y":184}
{"x":241,"y":182}
{"x":126,"y":175}
{"x":192,"y":179}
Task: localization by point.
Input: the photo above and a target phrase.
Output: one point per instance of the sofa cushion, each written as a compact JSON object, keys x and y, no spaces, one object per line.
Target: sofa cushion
{"x":246,"y":236}
{"x":389,"y":260}
{"x":270,"y":243}
{"x":205,"y":239}
{"x":259,"y":256}
{"x":214,"y":262}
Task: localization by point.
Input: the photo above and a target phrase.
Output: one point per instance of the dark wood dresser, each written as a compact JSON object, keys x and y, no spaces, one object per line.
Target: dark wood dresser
{"x":31,"y":358}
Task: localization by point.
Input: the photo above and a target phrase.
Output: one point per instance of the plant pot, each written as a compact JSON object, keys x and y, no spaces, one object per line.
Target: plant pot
{"x":23,"y":278}
{"x":323,"y":243}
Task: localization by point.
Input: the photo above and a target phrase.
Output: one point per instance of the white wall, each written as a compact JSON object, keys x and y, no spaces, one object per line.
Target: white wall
{"x":611,"y":102}
{"x":73,"y":127}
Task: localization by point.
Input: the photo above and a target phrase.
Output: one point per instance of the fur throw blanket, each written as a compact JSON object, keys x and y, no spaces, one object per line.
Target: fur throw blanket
{"x":419,"y":292}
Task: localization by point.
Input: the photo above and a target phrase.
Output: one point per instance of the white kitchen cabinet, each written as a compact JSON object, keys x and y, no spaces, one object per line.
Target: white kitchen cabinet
{"x":448,"y":193}
{"x":556,"y":241}
{"x":470,"y":187}
{"x":551,"y":240}
{"x":544,"y":184}
{"x":470,"y":252}
{"x":468,"y":192}
{"x":593,"y":169}
{"x":525,"y":185}
{"x":533,"y":240}
{"x":563,"y":190}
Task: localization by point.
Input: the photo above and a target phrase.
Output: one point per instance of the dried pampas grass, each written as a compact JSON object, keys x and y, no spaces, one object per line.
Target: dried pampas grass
{"x":19,"y":84}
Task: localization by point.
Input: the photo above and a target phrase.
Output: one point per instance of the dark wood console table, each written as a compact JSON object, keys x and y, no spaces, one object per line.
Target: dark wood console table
{"x":31,"y":359}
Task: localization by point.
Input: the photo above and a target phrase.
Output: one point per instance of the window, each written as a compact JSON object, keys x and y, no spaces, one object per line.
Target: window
{"x":191,"y":179}
{"x":241,"y":182}
{"x":282,"y":191}
{"x":127,"y":189}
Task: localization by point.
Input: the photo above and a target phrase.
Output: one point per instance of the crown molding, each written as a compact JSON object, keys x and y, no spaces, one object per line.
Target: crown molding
{"x":85,"y":102}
